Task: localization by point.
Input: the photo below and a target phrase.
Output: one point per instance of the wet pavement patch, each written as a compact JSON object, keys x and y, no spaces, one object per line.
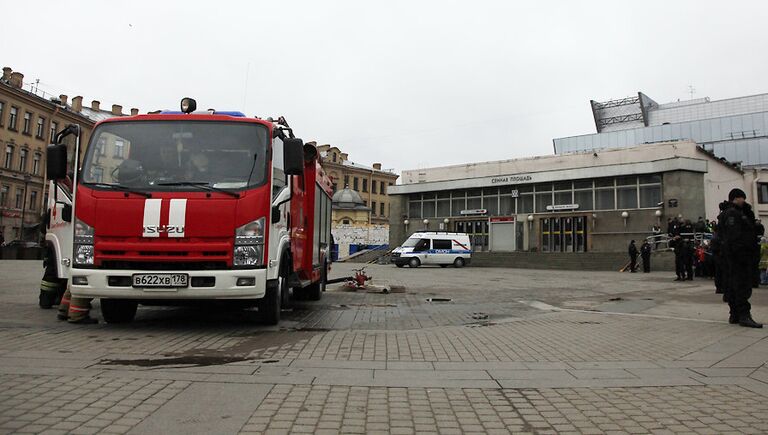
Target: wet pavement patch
{"x":190,"y":360}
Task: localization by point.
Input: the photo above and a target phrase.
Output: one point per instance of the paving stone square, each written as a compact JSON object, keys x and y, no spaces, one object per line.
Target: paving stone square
{"x":513,"y":351}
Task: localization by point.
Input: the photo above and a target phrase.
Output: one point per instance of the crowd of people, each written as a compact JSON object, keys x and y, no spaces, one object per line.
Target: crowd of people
{"x":732,"y":250}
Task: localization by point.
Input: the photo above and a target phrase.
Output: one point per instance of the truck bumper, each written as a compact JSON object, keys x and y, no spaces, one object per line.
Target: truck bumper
{"x":224,"y":285}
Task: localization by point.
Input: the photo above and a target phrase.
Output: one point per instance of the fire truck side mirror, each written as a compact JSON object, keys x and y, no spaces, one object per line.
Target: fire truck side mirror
{"x":275,"y":214}
{"x":293,"y":156}
{"x":56,"y":165}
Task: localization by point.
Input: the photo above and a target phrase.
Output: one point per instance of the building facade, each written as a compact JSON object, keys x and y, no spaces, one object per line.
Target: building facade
{"x":589,"y":201}
{"x":735,"y":129}
{"x":371,"y":183}
{"x":351,"y":226}
{"x":28,"y":122}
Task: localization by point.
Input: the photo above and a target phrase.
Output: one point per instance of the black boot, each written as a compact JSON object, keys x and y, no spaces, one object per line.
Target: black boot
{"x":747,"y":321}
{"x":733,"y":319}
{"x":47,"y":300}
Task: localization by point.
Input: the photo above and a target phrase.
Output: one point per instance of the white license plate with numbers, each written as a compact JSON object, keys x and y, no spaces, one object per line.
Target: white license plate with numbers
{"x":160,"y":280}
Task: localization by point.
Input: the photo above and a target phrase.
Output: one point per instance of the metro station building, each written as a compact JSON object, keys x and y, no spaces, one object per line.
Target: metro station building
{"x":592,"y":200}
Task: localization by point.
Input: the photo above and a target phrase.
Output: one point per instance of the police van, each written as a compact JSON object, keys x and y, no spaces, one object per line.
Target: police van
{"x":432,"y":247}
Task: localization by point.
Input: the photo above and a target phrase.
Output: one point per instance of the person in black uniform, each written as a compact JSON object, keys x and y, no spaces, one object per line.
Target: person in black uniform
{"x":739,"y":249}
{"x":645,"y":254}
{"x":759,"y":233}
{"x":721,"y":265}
{"x":632,"y":257}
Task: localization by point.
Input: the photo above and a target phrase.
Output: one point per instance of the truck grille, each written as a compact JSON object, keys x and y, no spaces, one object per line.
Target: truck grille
{"x":163,"y":265}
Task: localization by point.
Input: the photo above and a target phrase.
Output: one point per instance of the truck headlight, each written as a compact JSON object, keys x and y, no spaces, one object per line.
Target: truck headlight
{"x":249,"y":244}
{"x":83,"y":243}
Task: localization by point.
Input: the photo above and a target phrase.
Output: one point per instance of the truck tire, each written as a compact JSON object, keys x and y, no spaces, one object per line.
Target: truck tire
{"x":118,"y":310}
{"x":269,"y":305}
{"x":414,"y":262}
{"x":459,"y":262}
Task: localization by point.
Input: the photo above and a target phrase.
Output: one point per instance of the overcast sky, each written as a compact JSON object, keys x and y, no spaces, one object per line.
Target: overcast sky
{"x":409,"y":84}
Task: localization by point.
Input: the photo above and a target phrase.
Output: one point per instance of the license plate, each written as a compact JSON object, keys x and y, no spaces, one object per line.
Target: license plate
{"x":160,"y":280}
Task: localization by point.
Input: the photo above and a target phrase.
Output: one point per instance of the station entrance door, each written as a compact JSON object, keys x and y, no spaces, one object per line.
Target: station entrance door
{"x":563,"y":234}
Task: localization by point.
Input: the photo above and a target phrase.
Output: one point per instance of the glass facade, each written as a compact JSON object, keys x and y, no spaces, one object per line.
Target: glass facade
{"x":619,"y":193}
{"x":738,"y":138}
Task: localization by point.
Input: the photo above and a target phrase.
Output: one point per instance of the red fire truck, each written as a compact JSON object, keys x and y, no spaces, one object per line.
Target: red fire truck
{"x":190,"y":206}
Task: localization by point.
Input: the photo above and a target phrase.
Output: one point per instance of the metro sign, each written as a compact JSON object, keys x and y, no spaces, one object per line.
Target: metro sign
{"x":475,"y":211}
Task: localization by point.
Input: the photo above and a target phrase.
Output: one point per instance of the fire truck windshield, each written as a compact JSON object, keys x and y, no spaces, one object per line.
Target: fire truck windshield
{"x":177,"y":155}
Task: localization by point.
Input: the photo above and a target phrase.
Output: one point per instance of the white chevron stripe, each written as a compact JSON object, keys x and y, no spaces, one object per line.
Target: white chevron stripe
{"x":177,"y":218}
{"x":152,"y":217}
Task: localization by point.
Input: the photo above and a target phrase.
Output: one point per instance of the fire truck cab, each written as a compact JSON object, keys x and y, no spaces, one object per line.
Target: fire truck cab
{"x":177,"y":206}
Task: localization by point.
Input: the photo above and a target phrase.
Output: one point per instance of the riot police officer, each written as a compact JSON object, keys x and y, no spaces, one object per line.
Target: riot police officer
{"x":738,"y":244}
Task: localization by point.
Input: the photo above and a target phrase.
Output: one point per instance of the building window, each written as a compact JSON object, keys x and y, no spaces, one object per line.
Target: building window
{"x":762,"y":193}
{"x":2,"y":107}
{"x":373,"y":186}
{"x":4,"y":195}
{"x":381,"y":209}
{"x":13,"y":118}
{"x":333,"y":157}
{"x":8,"y":156}
{"x":19,"y":197}
{"x":101,"y":147}
{"x":33,"y":200}
{"x":355,"y":183}
{"x":27,"y":122}
{"x":365,"y":185}
{"x":346,"y":181}
{"x":334,"y":187}
{"x":605,"y":199}
{"x":98,"y":174}
{"x":40,"y":127}
{"x":373,"y":208}
{"x":54,"y":127}
{"x":119,"y":146}
{"x":23,"y":160}
{"x":36,"y":164}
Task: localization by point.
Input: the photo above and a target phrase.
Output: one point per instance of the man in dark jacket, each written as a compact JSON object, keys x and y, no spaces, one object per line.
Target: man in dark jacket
{"x":759,"y":233}
{"x":645,"y":254}
{"x":677,"y":245}
{"x":738,"y":239}
{"x":632,"y":257}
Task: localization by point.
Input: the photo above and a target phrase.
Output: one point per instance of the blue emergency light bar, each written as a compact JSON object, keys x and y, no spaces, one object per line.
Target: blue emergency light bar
{"x":225,"y":113}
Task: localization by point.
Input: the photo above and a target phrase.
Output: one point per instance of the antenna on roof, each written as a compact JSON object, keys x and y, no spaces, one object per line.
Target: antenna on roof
{"x":691,"y":90}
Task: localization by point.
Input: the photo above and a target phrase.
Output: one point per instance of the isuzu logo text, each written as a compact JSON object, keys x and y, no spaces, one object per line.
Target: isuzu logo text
{"x":177,"y":216}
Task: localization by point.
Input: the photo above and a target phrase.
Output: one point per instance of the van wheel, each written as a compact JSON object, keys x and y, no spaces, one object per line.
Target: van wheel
{"x":269,"y":305}
{"x":118,"y":310}
{"x":399,"y":265}
{"x":414,"y":262}
{"x":459,"y":262}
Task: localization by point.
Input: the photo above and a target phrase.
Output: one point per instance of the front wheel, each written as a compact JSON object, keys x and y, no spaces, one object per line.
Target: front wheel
{"x":459,"y":262}
{"x":414,"y":262}
{"x":118,"y":310}
{"x":269,"y":305}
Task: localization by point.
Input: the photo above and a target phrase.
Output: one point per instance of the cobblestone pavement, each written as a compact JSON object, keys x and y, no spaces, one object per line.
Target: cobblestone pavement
{"x":512,"y":351}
